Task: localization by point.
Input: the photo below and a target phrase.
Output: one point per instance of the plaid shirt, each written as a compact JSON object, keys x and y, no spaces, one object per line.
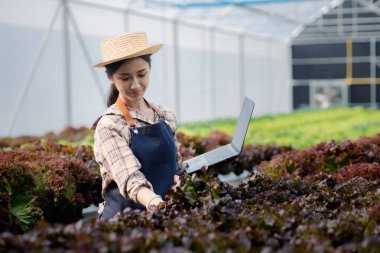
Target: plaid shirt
{"x":113,"y":153}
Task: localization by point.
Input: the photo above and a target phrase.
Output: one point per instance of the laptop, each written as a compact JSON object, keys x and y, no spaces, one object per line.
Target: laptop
{"x":229,"y":151}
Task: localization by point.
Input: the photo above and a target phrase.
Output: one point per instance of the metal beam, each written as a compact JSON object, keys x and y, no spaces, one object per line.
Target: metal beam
{"x":67,"y":64}
{"x":164,"y":53}
{"x":370,"y":5}
{"x":349,"y":10}
{"x":319,"y":14}
{"x":242,"y":67}
{"x":127,"y":14}
{"x":32,"y":71}
{"x":355,"y":19}
{"x":248,"y":25}
{"x":332,"y":38}
{"x":339,"y":26}
{"x":330,"y":29}
{"x":269,"y":53}
{"x":86,"y":53}
{"x":349,"y":75}
{"x":253,"y":11}
{"x":203,"y":66}
{"x":176,"y":62}
{"x":347,"y":21}
{"x":204,"y":4}
{"x":373,"y":72}
{"x":277,"y":16}
{"x":212,"y":72}
{"x":226,"y":12}
{"x":330,"y":60}
{"x":156,"y":16}
{"x":177,"y":81}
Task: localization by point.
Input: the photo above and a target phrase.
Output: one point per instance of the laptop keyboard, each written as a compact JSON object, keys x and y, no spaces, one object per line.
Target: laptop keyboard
{"x":219,"y":154}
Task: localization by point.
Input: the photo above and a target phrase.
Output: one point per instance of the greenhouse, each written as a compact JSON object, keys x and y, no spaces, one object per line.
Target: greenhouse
{"x":111,"y":143}
{"x":212,"y":52}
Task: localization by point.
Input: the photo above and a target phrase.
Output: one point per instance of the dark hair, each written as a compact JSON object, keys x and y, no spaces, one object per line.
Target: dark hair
{"x":113,"y":93}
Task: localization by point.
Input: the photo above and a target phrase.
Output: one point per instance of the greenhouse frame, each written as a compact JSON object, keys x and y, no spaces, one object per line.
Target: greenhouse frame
{"x":215,"y":53}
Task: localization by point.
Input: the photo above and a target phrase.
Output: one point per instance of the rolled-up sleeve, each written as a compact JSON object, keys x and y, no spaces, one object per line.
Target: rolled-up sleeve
{"x":113,"y":153}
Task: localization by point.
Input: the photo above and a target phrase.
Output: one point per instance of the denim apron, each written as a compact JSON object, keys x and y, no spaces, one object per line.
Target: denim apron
{"x":154,"y":146}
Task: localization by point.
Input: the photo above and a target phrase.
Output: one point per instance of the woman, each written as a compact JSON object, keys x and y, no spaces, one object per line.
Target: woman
{"x":134,"y":140}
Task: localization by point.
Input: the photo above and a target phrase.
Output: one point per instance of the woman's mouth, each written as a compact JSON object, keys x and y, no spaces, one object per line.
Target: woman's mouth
{"x":134,"y":93}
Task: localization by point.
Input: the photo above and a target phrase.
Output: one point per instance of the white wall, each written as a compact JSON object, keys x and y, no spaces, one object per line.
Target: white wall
{"x":23,"y":24}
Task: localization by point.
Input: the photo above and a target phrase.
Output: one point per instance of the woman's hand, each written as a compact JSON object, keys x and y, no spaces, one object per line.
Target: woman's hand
{"x":153,"y":203}
{"x":148,"y":198}
{"x":176,"y":182}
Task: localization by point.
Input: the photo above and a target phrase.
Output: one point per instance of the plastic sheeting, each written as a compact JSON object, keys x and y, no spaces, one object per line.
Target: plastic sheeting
{"x":212,"y":70}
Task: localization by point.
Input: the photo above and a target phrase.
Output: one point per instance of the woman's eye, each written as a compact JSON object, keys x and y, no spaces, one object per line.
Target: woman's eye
{"x":142,"y":75}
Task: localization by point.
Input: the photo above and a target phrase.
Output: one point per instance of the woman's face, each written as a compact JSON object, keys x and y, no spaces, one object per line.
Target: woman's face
{"x":132,"y":79}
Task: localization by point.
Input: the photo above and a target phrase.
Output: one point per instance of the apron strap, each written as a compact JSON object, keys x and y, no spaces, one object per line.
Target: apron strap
{"x":160,"y":114}
{"x":124,"y":110}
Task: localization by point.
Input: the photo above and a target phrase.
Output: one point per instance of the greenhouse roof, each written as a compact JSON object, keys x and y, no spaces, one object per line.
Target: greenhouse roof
{"x":280,"y":19}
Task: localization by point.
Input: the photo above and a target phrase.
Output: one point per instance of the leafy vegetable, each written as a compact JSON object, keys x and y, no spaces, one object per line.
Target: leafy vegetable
{"x":39,"y":184}
{"x":300,"y":129}
{"x":326,"y":157}
{"x":205,"y":215}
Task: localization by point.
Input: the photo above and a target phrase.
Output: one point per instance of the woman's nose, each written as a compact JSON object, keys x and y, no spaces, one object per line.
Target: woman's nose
{"x":135,"y":83}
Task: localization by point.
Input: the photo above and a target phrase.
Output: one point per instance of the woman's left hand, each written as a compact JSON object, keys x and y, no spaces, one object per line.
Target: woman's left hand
{"x":176,"y":182}
{"x":154,"y":203}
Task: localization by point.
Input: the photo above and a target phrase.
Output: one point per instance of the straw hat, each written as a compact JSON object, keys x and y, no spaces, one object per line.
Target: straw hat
{"x":125,"y":46}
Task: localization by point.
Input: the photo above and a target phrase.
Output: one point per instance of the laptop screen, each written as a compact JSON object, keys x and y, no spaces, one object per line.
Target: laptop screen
{"x":227,"y":151}
{"x":242,"y":125}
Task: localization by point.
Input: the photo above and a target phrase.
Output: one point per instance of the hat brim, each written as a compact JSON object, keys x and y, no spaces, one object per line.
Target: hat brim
{"x":149,"y":50}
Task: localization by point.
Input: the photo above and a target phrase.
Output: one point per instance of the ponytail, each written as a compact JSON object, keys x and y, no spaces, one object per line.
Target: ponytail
{"x":113,"y":93}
